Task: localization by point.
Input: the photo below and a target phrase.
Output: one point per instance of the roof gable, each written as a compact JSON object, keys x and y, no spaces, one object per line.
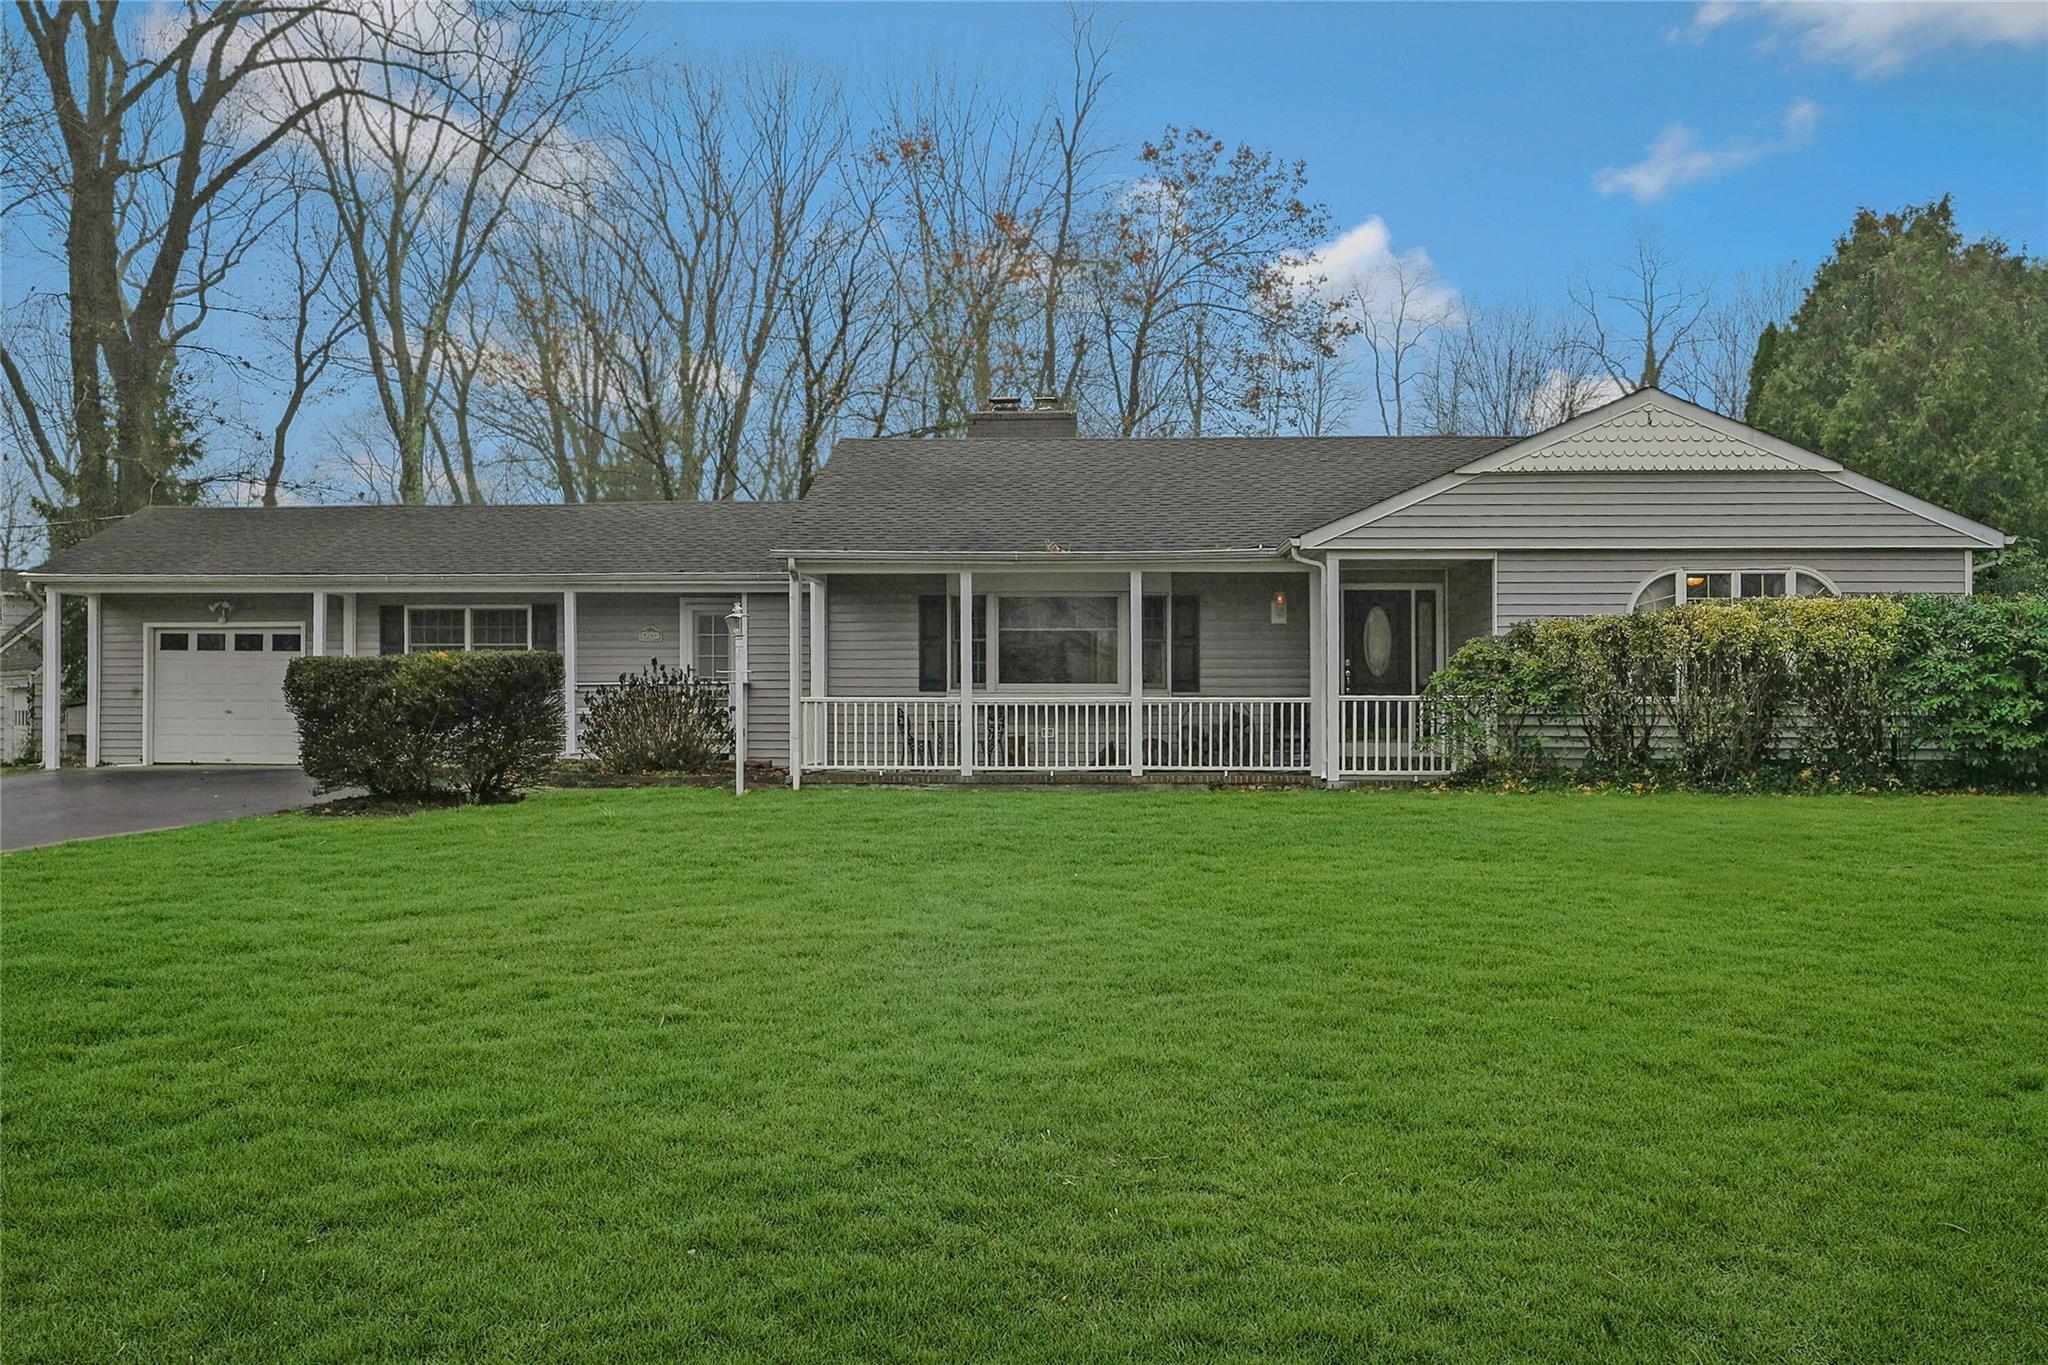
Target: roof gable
{"x":1651,"y":434}
{"x":1649,"y":430}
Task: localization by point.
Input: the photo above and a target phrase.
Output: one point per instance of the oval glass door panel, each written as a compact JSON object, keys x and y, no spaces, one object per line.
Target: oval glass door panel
{"x":1379,"y":642}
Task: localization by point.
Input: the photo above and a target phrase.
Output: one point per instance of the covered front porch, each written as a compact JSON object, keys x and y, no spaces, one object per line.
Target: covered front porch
{"x":1269,"y":664}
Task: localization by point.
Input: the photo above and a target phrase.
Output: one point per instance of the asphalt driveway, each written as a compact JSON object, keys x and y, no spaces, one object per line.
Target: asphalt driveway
{"x":88,"y":803}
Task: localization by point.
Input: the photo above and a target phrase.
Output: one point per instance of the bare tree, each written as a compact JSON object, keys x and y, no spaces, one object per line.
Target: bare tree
{"x":1398,"y":313}
{"x":960,"y":177}
{"x":1640,"y":325}
{"x":1201,"y":269}
{"x":139,"y":152}
{"x":1507,"y":370}
{"x":424,"y":173}
{"x":1076,"y":156}
{"x":310,"y":335}
{"x":1728,"y":331}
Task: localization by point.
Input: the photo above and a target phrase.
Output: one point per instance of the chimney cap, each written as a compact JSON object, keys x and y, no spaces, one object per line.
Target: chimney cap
{"x":1047,"y":402}
{"x":1005,"y":402}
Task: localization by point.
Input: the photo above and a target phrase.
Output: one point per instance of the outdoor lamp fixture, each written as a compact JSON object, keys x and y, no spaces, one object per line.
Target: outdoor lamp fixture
{"x":221,"y":611}
{"x":1279,"y":609}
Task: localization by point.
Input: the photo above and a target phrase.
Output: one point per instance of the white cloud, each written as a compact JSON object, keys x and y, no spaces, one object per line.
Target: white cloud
{"x":1563,"y":395}
{"x":1678,"y":158}
{"x":1877,"y":40}
{"x":1362,"y":270}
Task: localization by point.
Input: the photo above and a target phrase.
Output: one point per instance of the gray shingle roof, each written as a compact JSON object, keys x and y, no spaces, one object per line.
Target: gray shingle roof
{"x":1186,"y":494}
{"x":981,"y":495}
{"x":589,"y":538}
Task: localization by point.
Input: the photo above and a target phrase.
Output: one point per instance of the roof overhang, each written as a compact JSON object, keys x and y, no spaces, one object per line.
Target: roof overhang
{"x":937,"y":561}
{"x":175,"y":582}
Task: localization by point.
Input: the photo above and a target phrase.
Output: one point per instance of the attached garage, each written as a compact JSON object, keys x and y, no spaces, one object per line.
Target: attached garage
{"x":216,"y":693}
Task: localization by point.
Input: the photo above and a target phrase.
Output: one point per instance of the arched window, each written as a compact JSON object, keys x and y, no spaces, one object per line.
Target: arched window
{"x":1682,"y":587}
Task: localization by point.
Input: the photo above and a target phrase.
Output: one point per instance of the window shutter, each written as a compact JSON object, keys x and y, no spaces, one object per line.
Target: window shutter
{"x":932,"y":638}
{"x":391,"y":630}
{"x":545,"y":636}
{"x":1187,"y":644}
{"x":981,"y":640}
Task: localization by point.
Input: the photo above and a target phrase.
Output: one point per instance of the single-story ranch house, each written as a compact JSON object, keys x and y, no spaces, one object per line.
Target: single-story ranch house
{"x":1021,"y":600}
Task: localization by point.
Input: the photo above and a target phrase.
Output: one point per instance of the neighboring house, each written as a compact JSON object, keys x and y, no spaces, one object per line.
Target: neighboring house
{"x":1137,"y":606}
{"x":20,"y":665}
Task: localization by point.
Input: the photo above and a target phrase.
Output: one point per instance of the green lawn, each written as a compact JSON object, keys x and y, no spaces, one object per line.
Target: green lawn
{"x":1045,"y":1075}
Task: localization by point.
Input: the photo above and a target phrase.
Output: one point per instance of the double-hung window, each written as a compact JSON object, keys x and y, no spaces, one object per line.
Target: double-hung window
{"x":454,"y":629}
{"x":1172,"y":637}
{"x":710,"y":643}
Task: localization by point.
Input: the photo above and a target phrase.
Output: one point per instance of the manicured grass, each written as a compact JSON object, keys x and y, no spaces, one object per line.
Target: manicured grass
{"x":1040,"y":1075}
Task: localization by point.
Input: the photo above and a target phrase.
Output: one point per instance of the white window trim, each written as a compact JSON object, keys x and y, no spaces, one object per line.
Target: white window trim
{"x":692,"y":613}
{"x":1678,"y":575}
{"x":468,"y":622}
{"x":1123,"y":648}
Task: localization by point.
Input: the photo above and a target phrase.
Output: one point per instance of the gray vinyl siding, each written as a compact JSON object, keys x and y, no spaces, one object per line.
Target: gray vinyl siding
{"x":122,"y":619}
{"x":1626,"y":511}
{"x":1243,"y":653}
{"x":871,"y":633}
{"x":871,"y":640}
{"x":1535,"y":584}
{"x":768,"y":656}
{"x":609,"y":627}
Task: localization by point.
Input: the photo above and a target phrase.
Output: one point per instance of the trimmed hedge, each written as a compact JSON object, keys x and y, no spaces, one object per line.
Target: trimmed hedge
{"x":1714,"y":693}
{"x":420,"y":725}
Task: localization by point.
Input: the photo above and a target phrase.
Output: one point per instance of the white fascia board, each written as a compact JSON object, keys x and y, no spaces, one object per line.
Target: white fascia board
{"x":1647,"y":398}
{"x":1920,"y":507}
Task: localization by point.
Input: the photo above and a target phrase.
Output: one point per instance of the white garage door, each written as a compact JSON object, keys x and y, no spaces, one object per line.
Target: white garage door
{"x":218,"y":695}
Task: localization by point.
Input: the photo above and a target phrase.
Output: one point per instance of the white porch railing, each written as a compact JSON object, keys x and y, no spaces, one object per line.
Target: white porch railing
{"x":1223,"y":734}
{"x":1390,"y":737}
{"x":882,"y":734}
{"x":1059,"y":734}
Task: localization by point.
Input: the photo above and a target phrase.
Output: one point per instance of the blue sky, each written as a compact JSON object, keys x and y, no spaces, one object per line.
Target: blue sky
{"x":1477,"y":131}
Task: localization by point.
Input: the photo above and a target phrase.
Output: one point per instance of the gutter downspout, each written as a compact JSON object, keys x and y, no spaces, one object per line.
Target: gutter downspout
{"x":1319,"y":644}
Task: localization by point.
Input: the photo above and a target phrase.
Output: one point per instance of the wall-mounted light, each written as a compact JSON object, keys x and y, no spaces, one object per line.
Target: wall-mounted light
{"x":221,"y":611}
{"x":1279,"y":609}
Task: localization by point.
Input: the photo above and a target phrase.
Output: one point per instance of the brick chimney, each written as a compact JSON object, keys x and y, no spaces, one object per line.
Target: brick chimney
{"x":1006,"y":415}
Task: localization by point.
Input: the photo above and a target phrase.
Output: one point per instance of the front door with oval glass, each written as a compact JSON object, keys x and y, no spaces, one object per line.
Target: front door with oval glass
{"x":1390,"y":640}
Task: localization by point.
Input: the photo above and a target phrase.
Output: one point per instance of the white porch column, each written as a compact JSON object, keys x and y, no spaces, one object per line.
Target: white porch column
{"x":1318,"y":692}
{"x":1137,"y":624}
{"x":1333,"y":667}
{"x":570,"y":743}
{"x":967,"y":673}
{"x":820,"y":676}
{"x":348,"y":623}
{"x":53,"y":678}
{"x":796,"y":679}
{"x":92,"y":680}
{"x":319,"y":621}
